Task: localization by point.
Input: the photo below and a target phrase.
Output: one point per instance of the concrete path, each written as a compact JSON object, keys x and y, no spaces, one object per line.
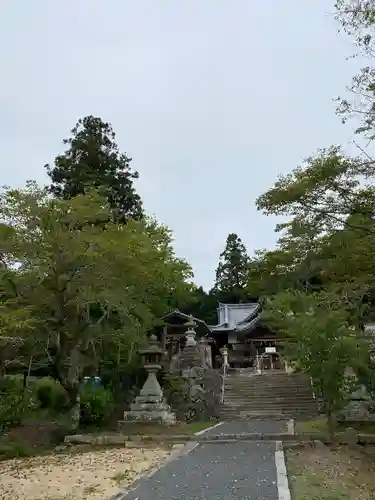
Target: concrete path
{"x":229,"y":471}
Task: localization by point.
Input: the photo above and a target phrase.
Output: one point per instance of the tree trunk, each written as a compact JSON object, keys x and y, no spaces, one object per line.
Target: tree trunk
{"x":75,"y":412}
{"x":69,"y":379}
{"x":331,"y":421}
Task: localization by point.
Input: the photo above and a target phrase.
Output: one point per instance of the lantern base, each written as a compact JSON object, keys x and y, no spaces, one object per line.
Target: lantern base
{"x":148,"y":416}
{"x":151,"y":410}
{"x":150,"y":405}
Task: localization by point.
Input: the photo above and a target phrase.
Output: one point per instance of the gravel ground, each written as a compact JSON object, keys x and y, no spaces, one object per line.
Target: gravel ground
{"x":81,"y":476}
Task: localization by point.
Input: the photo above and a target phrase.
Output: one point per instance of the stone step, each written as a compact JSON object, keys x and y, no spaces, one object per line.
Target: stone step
{"x":276,"y":409}
{"x":288,"y":395}
{"x":268,"y":392}
{"x":260,"y":390}
{"x":266,"y":377}
{"x":263,"y":401}
{"x":265,"y":396}
{"x":273,"y":408}
{"x":285,"y":402}
{"x":283,"y":414}
{"x":240,"y":402}
{"x":254,"y":386}
{"x":266,"y":384}
{"x":287,"y":413}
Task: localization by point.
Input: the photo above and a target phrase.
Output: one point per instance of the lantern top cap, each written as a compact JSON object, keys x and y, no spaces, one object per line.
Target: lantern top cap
{"x":153,"y":347}
{"x":190,"y":324}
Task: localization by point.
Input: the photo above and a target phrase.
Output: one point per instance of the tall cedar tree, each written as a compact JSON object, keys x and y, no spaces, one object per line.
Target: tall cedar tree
{"x":93,"y":160}
{"x":233,"y":270}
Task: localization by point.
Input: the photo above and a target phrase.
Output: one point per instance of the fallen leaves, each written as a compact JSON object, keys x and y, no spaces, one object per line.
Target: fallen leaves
{"x":92,"y":475}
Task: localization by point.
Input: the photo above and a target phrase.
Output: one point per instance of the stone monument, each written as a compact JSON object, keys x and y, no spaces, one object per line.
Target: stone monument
{"x":150,"y":405}
{"x":190,"y":357}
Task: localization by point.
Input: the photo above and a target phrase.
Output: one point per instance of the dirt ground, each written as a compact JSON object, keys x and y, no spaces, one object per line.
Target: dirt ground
{"x":323,"y":473}
{"x":93,"y":475}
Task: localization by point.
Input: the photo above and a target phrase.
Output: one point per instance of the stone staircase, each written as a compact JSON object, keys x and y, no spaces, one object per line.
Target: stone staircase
{"x":270,"y":395}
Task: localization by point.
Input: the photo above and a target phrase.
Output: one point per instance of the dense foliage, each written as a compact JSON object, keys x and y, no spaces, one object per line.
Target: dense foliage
{"x":93,"y":160}
{"x":320,"y":340}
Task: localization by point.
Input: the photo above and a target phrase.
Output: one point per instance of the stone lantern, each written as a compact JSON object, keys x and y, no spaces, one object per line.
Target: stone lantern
{"x":150,"y":405}
{"x":224,"y":352}
{"x":190,"y":332}
{"x":152,"y":355}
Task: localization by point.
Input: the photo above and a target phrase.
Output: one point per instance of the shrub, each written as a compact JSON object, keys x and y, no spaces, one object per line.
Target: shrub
{"x":51,"y":394}
{"x":175,"y":391}
{"x":14,"y":450}
{"x":97,"y":405}
{"x":14,"y":402}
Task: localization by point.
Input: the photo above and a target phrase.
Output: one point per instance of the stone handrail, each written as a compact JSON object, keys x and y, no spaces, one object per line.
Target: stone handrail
{"x":224,"y":353}
{"x":223,"y":381}
{"x":312,"y":388}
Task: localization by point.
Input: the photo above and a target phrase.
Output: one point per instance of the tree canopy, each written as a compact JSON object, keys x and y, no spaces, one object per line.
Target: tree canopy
{"x":233,"y":270}
{"x":93,"y":160}
{"x":330,"y":201}
{"x":86,"y":288}
{"x":357,"y":19}
{"x":320,"y":340}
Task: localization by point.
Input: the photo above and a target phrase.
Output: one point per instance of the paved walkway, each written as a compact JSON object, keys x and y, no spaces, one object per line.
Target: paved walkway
{"x":213,"y":471}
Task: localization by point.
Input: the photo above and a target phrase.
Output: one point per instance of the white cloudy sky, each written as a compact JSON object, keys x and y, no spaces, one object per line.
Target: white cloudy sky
{"x":211,"y":98}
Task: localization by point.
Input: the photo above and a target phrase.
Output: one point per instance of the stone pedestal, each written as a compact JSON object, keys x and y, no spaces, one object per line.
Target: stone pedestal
{"x":150,"y":405}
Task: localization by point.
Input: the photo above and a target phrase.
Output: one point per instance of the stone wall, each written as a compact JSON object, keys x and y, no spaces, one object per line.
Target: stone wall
{"x":359,"y":408}
{"x":194,"y":394}
{"x":194,"y":388}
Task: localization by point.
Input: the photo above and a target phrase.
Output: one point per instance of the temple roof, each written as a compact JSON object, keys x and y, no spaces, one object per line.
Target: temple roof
{"x":184,"y":318}
{"x":236,"y":317}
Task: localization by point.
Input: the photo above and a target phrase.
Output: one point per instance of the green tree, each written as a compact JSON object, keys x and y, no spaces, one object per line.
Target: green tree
{"x":331,"y":202}
{"x":90,"y":289}
{"x":93,"y":160}
{"x":293,"y":264}
{"x":328,"y":192}
{"x":233,"y":270}
{"x":320,"y":340}
{"x":357,"y":19}
{"x":17,"y":324}
{"x":202,"y":305}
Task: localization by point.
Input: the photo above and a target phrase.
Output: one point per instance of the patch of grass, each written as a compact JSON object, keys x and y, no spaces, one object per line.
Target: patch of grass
{"x":318,"y":425}
{"x":120,"y":477}
{"x":362,"y":427}
{"x":67,"y":496}
{"x":60,"y":497}
{"x":194,"y":427}
{"x":16,"y":449}
{"x":93,"y":488}
{"x":327,"y":473}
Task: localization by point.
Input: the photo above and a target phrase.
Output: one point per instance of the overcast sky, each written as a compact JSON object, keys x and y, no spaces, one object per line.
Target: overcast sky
{"x":211,"y":98}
